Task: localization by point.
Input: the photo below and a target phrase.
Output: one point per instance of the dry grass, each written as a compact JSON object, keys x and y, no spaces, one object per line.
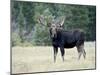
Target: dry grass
{"x":40,"y":59}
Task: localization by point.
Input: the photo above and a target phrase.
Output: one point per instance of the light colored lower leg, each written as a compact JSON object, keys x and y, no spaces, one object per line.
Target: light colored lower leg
{"x":79,"y":55}
{"x":84,"y":54}
{"x":63,"y":58}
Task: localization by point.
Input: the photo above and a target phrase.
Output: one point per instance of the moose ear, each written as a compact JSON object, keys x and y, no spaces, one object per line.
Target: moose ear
{"x":62,"y":21}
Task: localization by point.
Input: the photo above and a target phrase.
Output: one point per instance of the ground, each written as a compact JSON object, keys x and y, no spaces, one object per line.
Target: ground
{"x":40,"y":59}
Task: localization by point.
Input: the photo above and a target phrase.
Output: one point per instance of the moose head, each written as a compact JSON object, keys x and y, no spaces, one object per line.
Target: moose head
{"x":54,"y":26}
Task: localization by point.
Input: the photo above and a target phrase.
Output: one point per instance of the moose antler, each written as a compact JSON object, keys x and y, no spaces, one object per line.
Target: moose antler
{"x":41,"y":20}
{"x":62,"y":21}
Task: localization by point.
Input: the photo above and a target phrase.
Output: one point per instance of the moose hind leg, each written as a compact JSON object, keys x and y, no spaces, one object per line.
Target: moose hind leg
{"x":62,"y":52}
{"x":55,"y":53}
{"x":80,"y":51}
{"x":84,"y":53}
{"x":79,"y":55}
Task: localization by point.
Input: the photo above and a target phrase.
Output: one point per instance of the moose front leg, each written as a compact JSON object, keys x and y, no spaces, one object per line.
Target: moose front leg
{"x":55,"y":53}
{"x":62,"y":52}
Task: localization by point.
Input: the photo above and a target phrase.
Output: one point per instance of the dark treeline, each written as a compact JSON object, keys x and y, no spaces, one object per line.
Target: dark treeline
{"x":27,"y":31}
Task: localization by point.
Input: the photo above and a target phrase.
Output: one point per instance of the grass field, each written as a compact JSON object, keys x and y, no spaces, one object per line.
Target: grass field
{"x":40,"y":59}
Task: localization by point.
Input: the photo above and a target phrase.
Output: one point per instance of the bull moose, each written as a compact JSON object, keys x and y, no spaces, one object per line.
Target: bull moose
{"x":65,"y":38}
